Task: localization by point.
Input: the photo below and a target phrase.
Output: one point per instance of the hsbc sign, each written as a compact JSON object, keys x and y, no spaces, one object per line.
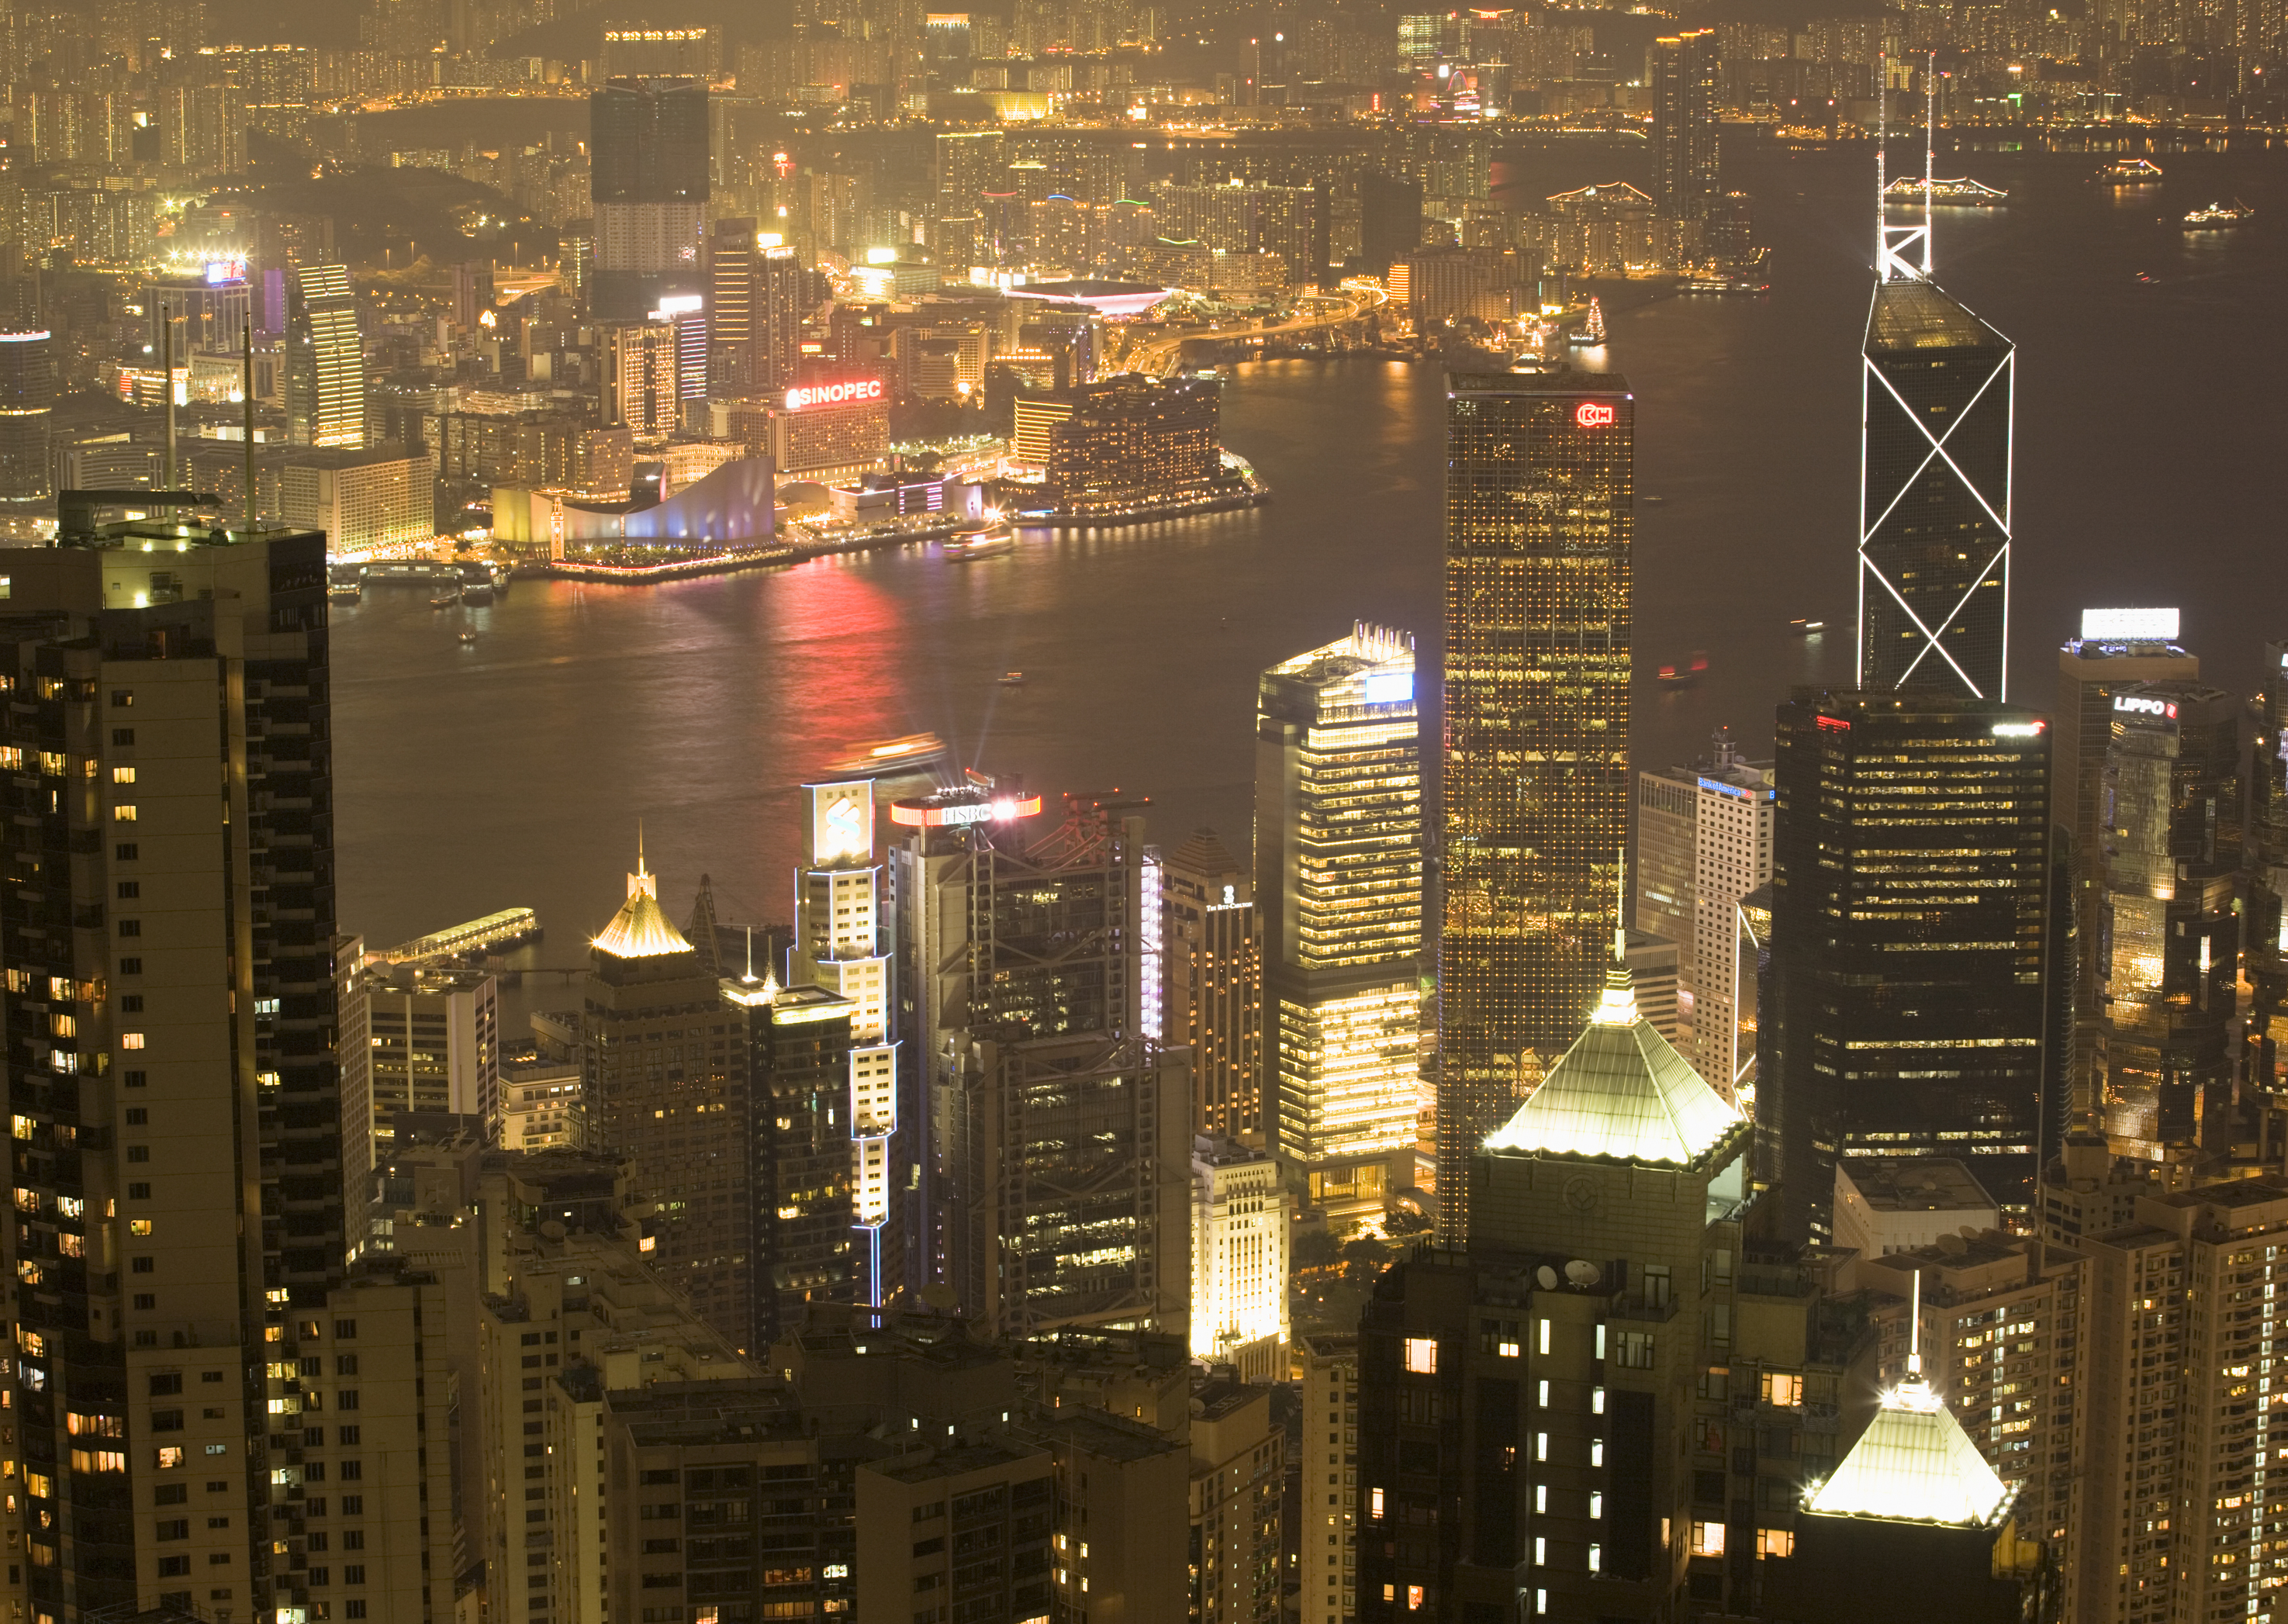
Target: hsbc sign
{"x":833,"y":394}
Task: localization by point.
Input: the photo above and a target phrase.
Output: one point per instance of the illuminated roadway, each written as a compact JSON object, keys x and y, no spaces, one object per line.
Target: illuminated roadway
{"x":1351,"y":302}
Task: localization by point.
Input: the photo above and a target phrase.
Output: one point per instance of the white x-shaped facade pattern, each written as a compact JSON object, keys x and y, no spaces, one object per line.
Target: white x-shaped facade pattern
{"x":1878,"y":587}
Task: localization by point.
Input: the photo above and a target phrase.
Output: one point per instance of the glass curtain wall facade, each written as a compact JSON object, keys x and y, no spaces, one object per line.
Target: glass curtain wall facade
{"x":1539,"y":525}
{"x":1339,"y":882}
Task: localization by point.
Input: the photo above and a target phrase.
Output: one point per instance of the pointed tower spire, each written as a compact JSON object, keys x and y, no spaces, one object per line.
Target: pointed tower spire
{"x":1930,"y":141}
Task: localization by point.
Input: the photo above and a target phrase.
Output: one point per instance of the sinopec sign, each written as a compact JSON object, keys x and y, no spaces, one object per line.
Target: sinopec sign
{"x":833,"y":394}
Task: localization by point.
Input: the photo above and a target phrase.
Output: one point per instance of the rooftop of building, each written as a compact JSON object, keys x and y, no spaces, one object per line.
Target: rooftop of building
{"x":1557,"y":381}
{"x":1622,"y":1093}
{"x":641,"y":929}
{"x":1911,"y":1184}
{"x":958,"y":1459}
{"x":339,"y":458}
{"x":1919,"y":315}
{"x":1914,"y":1465}
{"x":689,"y":1412}
{"x":1219,"y":1395}
{"x":1108,"y":1437}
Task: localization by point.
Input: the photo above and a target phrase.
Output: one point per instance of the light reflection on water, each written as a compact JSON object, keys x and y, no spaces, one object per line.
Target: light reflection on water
{"x":515,"y":770}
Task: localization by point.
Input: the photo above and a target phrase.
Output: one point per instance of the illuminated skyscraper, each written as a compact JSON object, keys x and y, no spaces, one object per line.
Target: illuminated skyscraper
{"x":2117,"y":648}
{"x":1911,"y":941}
{"x":2267,"y":900}
{"x":1338,"y":879}
{"x":1212,"y":977}
{"x":1684,"y":123}
{"x":28,"y":398}
{"x":2170,"y":934}
{"x":1936,"y":392}
{"x":1539,"y":522}
{"x":325,"y":360}
{"x":841,"y":944}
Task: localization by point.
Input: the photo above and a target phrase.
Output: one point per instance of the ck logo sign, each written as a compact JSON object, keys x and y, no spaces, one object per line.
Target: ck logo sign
{"x":1590,"y":416}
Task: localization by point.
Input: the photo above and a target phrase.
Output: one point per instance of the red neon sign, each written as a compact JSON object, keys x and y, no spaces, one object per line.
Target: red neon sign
{"x":1835,"y":725}
{"x":914,"y":814}
{"x":833,"y":394}
{"x":1590,"y":415}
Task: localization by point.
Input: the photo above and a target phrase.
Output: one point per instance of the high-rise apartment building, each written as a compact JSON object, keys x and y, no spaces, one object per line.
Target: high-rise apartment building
{"x":28,"y":399}
{"x":732,"y":267}
{"x":1911,"y":945}
{"x":1211,"y":980}
{"x":1238,"y":1467}
{"x":1239,"y":1219}
{"x":1338,"y":879}
{"x":325,"y":358}
{"x":2170,"y":927}
{"x":1060,"y":1156}
{"x":807,"y":1246}
{"x":643,"y":381}
{"x":841,"y":943}
{"x":970,"y":164}
{"x":1682,"y":71}
{"x":648,"y":179}
{"x":1933,"y":493}
{"x":179,"y":1233}
{"x":420,"y":1041}
{"x":1704,"y":842}
{"x":2117,"y":647}
{"x":664,"y":1070}
{"x":1539,"y":522}
{"x":1328,"y":1471}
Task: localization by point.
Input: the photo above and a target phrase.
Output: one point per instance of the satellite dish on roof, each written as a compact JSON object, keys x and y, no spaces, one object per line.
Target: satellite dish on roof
{"x":1548,"y":1276}
{"x":1581,"y":1272}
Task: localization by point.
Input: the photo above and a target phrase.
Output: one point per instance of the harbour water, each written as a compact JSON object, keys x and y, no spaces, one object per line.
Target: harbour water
{"x":2152,"y":425}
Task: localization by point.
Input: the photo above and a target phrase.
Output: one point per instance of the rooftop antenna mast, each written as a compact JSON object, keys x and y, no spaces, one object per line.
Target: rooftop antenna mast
{"x":1930,"y":140}
{"x":1894,"y":243}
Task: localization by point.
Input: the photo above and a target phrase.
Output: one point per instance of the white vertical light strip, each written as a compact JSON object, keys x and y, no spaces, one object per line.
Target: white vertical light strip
{"x":1148,"y":929}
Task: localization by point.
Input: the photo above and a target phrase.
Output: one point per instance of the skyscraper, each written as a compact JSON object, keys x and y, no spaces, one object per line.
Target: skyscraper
{"x":2170,"y":925}
{"x":841,"y":943}
{"x":1909,"y":941}
{"x":666,"y":1086}
{"x":2116,"y":648}
{"x":1211,"y":976}
{"x":1683,"y":68}
{"x":1933,"y":493}
{"x":1339,"y":873}
{"x":325,"y":360}
{"x":2268,"y":900}
{"x":1539,"y":523}
{"x":178,"y":1251}
{"x":778,"y":318}
{"x":733,"y":273}
{"x":648,"y":179}
{"x":27,"y":398}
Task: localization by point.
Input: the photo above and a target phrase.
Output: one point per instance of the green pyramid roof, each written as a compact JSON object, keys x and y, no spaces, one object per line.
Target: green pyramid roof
{"x":1623,"y":1093}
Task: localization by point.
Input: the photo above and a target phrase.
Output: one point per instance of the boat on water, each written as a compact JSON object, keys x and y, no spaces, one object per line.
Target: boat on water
{"x":345,"y":591}
{"x":1670,"y":677}
{"x":477,"y":592}
{"x":445,"y":600}
{"x":1960,"y":193}
{"x":987,"y":544}
{"x":1807,"y":629}
{"x":893,"y":757}
{"x":2218,"y":217}
{"x":468,"y":637}
{"x":1012,"y":679}
{"x":1654,"y":500}
{"x":2128,"y":172}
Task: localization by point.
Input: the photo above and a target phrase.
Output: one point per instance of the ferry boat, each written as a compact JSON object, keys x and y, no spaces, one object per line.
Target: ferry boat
{"x":445,"y":600}
{"x":2128,"y":172}
{"x":2217,"y":217}
{"x":345,"y":591}
{"x":1012,"y":679}
{"x":893,"y":757}
{"x":1807,"y":629}
{"x":1960,"y":193}
{"x":986,"y":544}
{"x":478,"y":592}
{"x":468,"y":637}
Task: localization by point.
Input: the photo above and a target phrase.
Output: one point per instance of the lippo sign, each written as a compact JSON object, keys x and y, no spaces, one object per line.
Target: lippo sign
{"x":833,"y":394}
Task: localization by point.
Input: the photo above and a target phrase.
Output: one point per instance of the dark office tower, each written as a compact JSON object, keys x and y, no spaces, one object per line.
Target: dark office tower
{"x":1933,"y":495}
{"x":1060,"y":1162}
{"x":325,"y":360}
{"x":2171,"y":926}
{"x":2268,"y":901}
{"x":648,"y":175}
{"x":1910,"y":918}
{"x":27,"y":398}
{"x":2118,"y":649}
{"x":169,"y":1015}
{"x":1540,"y":474}
{"x":1212,"y":986}
{"x":1568,"y":1416}
{"x":778,"y":319}
{"x":797,"y":1058}
{"x":666,"y":1088}
{"x":732,"y":280}
{"x":1684,"y":124}
{"x":1390,"y":220}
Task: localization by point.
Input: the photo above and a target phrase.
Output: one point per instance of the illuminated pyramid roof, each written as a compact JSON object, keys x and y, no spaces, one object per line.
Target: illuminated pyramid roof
{"x":640,"y":929}
{"x":1914,"y":1465}
{"x":1622,"y":1093}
